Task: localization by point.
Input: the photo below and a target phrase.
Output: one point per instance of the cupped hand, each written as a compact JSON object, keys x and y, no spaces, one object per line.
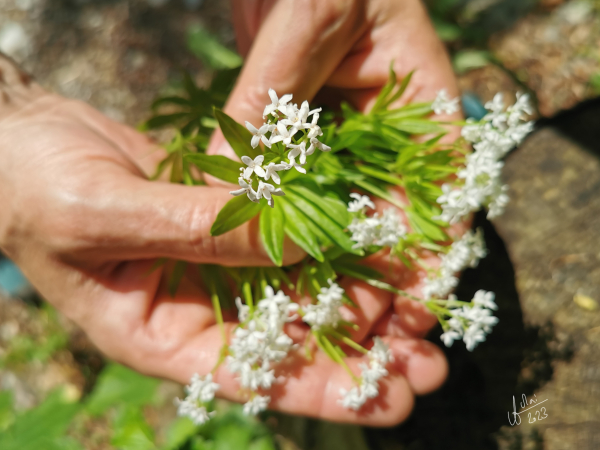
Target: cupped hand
{"x":81,"y":219}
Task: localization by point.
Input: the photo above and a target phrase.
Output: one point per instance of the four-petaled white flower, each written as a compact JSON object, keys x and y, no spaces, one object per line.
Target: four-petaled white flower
{"x":246,"y":188}
{"x":254,"y":165}
{"x":271,"y":171}
{"x":444,"y":104}
{"x":266,"y":190}
{"x":259,"y":134}
{"x":283,"y":134}
{"x":299,"y":150}
{"x":256,"y":404}
{"x":276,"y":103}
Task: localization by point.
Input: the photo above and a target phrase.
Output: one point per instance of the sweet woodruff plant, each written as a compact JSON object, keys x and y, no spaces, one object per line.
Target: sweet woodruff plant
{"x":312,"y":176}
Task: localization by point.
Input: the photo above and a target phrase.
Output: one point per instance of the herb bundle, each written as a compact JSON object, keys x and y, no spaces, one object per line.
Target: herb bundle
{"x":312,"y":175}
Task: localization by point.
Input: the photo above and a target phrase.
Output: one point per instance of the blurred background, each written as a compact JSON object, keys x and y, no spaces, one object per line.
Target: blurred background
{"x":58,"y":392}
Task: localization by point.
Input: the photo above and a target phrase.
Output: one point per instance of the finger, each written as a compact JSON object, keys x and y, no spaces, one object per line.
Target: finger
{"x":292,"y":59}
{"x":371,"y":304}
{"x":133,"y":218}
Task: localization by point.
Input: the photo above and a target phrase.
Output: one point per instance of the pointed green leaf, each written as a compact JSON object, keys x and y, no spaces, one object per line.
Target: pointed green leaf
{"x":216,"y":165}
{"x":180,"y":101}
{"x":297,"y":228}
{"x":322,"y":220}
{"x":272,"y":223}
{"x":401,"y":89}
{"x":369,"y":187}
{"x":237,"y":135}
{"x":420,"y":224}
{"x":337,"y":208}
{"x":236,"y":211}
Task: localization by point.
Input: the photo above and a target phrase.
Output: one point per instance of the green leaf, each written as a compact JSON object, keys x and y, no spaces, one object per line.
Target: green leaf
{"x":337,"y":208}
{"x":401,"y":88}
{"x":163,"y":120}
{"x":236,"y":211}
{"x":323,"y":221}
{"x":206,"y":47}
{"x":384,"y":176}
{"x":131,"y":431}
{"x":382,"y":98}
{"x":216,"y":165}
{"x":118,"y":384}
{"x":375,"y":190}
{"x":176,"y":276}
{"x":297,"y":228}
{"x":39,"y":427}
{"x":272,"y":223}
{"x":418,"y":126}
{"x":179,"y":432}
{"x":179,"y":101}
{"x":420,"y":224}
{"x":237,"y":135}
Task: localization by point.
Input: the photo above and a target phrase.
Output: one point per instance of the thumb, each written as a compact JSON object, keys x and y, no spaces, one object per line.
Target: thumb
{"x":140,"y":219}
{"x":297,"y":48}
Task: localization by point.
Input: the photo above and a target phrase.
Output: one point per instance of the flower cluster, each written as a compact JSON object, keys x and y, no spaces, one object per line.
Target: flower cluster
{"x":444,"y":104}
{"x":385,"y":230}
{"x":379,"y":356}
{"x":259,"y":342}
{"x":325,"y":313}
{"x":492,"y":138}
{"x":200,"y":391}
{"x":466,"y":252}
{"x":471,"y":323}
{"x":284,"y":121}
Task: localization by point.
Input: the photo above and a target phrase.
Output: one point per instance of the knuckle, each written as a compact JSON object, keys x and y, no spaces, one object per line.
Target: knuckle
{"x":203,"y":244}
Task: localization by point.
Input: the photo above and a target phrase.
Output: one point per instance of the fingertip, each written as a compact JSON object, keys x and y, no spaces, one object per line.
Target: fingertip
{"x":422,"y":363}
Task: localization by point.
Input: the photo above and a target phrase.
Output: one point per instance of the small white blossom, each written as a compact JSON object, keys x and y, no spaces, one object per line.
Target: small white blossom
{"x":282,"y":134}
{"x":266,"y":190}
{"x":485,"y":299}
{"x":276,"y":103}
{"x":256,"y":404}
{"x":326,"y":313}
{"x":246,"y":188}
{"x":258,"y":134}
{"x":353,"y":399}
{"x":315,"y":130}
{"x":254,"y":165}
{"x":359,"y":203}
{"x":299,"y":151}
{"x":271,"y":171}
{"x":318,"y":144}
{"x":192,"y":410}
{"x":443,"y":104}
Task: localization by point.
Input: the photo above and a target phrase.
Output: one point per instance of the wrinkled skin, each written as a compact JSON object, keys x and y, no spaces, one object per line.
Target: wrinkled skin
{"x":83,"y":222}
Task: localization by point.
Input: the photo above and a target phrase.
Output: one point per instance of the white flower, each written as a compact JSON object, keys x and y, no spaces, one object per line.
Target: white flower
{"x":201,"y":388}
{"x":299,"y":150}
{"x":439,"y":286}
{"x":319,"y":145}
{"x":266,"y":190}
{"x":443,"y":104}
{"x":282,"y":134}
{"x":315,"y":130}
{"x":473,"y":336}
{"x":359,"y":203}
{"x":485,"y":299}
{"x":326,"y":312}
{"x":192,"y":410}
{"x":380,"y":352}
{"x":277,"y":308}
{"x":465,"y":252}
{"x":364,"y":231}
{"x":276,"y":103}
{"x":353,"y":399}
{"x":271,"y":171}
{"x":379,"y":356}
{"x":256,"y":404}
{"x":243,"y":310}
{"x":246,"y":188}
{"x":390,"y":229}
{"x":253,"y":166}
{"x":296,"y":166}
{"x":259,"y":134}
{"x":296,"y":117}
{"x":448,"y":337}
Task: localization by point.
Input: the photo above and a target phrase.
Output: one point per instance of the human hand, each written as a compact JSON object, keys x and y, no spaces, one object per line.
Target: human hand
{"x":86,"y":226}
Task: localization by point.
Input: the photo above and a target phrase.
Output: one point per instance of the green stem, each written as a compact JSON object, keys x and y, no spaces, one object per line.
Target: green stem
{"x":247,"y":291}
{"x":349,"y":342}
{"x":336,"y":356}
{"x":219,"y":316}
